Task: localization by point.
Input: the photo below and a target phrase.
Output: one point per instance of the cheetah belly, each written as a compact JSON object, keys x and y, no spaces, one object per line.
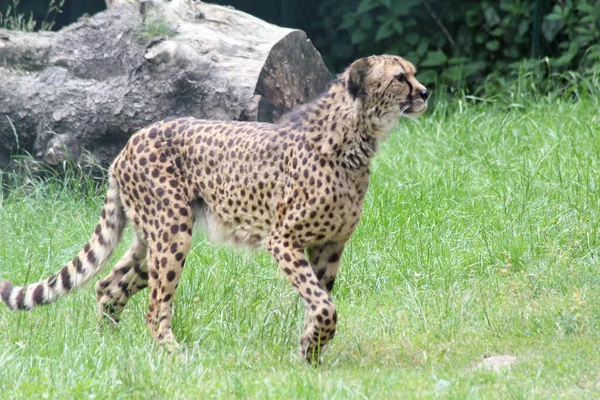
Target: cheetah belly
{"x":241,"y":216}
{"x":243,"y":234}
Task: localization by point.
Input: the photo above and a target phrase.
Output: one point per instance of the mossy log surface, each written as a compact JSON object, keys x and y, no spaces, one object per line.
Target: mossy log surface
{"x":85,"y":89}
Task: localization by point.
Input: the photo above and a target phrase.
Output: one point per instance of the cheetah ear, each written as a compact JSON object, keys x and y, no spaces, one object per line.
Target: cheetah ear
{"x":356,"y":77}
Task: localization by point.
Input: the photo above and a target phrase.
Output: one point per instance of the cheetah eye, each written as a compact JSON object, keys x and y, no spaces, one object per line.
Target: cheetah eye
{"x":401,"y":78}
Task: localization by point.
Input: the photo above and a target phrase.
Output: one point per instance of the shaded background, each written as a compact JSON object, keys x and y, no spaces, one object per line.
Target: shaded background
{"x":463,"y":44}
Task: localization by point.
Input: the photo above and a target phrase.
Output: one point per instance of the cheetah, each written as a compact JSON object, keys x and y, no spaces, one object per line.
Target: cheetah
{"x":295,"y":188}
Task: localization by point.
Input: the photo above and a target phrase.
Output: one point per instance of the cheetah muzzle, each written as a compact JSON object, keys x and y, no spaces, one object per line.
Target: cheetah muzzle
{"x":295,"y":188}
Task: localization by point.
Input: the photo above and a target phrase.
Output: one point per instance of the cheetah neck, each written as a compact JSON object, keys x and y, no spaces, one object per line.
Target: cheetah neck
{"x":338,"y":126}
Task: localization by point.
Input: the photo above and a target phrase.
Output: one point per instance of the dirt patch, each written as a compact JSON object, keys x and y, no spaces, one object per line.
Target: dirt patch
{"x":495,"y":363}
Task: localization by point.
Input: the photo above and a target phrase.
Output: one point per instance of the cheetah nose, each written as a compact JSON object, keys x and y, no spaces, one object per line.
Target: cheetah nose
{"x":424,"y":94}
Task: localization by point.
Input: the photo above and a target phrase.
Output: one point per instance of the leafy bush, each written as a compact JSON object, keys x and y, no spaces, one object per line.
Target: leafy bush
{"x":332,"y":42}
{"x":573,"y":28}
{"x":470,"y":42}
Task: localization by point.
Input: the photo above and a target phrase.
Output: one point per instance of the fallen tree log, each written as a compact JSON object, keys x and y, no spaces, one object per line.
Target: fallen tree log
{"x":89,"y":86}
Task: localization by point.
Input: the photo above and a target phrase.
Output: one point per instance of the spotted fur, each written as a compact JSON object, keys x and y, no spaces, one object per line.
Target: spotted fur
{"x":295,"y":188}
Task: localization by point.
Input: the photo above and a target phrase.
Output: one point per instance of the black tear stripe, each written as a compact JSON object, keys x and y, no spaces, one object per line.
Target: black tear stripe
{"x":410,"y":87}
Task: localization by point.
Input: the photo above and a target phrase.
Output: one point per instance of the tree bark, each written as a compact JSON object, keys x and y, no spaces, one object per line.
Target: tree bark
{"x":88,"y":87}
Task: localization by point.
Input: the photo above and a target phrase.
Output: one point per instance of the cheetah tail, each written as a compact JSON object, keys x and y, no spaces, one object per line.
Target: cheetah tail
{"x":82,"y":268}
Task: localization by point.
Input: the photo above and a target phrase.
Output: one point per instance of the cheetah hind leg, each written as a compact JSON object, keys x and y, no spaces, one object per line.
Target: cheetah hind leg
{"x":129,"y":276}
{"x":166,"y":259}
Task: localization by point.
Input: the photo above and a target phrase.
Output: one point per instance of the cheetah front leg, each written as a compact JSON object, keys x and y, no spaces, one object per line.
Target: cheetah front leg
{"x":320,"y":316}
{"x":324,"y":260}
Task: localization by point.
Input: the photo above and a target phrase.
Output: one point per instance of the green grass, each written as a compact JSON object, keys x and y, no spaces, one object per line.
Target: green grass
{"x":154,"y":27}
{"x":480,"y":237}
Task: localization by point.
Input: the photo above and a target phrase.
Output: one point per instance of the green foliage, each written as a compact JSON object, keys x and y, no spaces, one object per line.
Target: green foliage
{"x":462,"y":42}
{"x":14,"y":20}
{"x":574,"y":28}
{"x":332,"y":42}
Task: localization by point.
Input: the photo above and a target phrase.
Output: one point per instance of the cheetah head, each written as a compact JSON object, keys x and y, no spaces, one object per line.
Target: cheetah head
{"x":385,"y":88}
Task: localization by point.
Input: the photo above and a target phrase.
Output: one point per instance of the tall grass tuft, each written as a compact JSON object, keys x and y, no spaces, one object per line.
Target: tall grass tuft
{"x":14,"y":20}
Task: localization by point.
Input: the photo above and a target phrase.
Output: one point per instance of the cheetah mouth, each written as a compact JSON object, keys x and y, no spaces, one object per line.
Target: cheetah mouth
{"x":412,"y":109}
